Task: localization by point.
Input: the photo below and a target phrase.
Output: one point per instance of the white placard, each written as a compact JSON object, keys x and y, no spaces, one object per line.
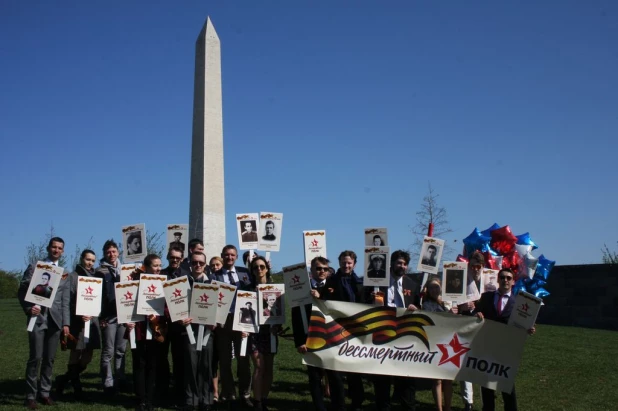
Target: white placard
{"x":44,"y":284}
{"x":454,"y":283}
{"x":376,"y":237}
{"x":377,"y":267}
{"x":430,"y":256}
{"x":126,"y":270}
{"x":204,"y":304}
{"x":247,"y":226}
{"x":151,"y":299}
{"x":177,"y":297}
{"x":134,"y":247}
{"x":89,"y":296}
{"x":245,"y":316}
{"x":271,"y":298}
{"x":270,"y":231}
{"x":297,"y":285}
{"x":177,"y":235}
{"x":526,"y":310}
{"x":126,"y":302}
{"x":225,"y":297}
{"x":315,"y":245}
{"x":489,"y":280}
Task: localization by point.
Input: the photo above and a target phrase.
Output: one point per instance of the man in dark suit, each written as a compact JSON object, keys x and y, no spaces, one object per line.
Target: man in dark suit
{"x":225,"y":336}
{"x":45,"y":336}
{"x":497,"y":306}
{"x":319,"y":289}
{"x":177,"y":242}
{"x":377,"y":266}
{"x":195,"y":245}
{"x":404,"y":293}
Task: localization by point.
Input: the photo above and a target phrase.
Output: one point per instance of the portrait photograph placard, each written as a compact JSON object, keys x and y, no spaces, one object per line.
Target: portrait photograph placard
{"x":126,"y":302}
{"x":454,"y":276}
{"x":134,"y":247}
{"x":430,"y":256}
{"x":489,"y":280}
{"x":297,"y":285}
{"x":178,"y":235}
{"x":314,"y":242}
{"x":377,"y":267}
{"x":204,"y":304}
{"x":270,"y":231}
{"x":527,"y":307}
{"x":44,"y":284}
{"x":272,"y":303}
{"x":177,"y":296}
{"x":225,"y":298}
{"x":151,"y":298}
{"x":376,"y":237}
{"x":245,"y":316}
{"x":126,"y":270}
{"x":247,"y":226}
{"x":89,"y":296}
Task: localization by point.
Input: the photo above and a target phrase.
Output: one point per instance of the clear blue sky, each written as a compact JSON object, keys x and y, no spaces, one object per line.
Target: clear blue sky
{"x":510,"y":109}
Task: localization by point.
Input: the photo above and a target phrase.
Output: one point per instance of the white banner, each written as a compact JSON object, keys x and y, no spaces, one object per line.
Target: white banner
{"x":151,"y":299}
{"x":177,"y":297}
{"x":126,"y":302}
{"x":355,"y":337}
{"x":204,"y":305}
{"x":89,"y":296}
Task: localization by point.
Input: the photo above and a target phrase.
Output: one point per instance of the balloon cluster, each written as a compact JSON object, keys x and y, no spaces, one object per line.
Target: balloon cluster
{"x":502,"y":249}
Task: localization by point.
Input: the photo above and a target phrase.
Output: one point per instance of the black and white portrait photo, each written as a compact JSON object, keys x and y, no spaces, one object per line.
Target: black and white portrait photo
{"x":430,"y":255}
{"x":272,"y":304}
{"x":376,"y":237}
{"x":454,"y":282}
{"x":377,"y":268}
{"x":177,"y":236}
{"x":43,"y":288}
{"x":134,"y":242}
{"x":44,"y":284}
{"x":247,"y":314}
{"x":269,"y":231}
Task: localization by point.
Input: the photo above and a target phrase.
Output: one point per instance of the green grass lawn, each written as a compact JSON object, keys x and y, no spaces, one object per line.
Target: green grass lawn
{"x":563,"y":368}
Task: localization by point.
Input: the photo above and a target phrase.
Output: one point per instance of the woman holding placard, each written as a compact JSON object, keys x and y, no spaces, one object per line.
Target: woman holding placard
{"x":433,"y":302}
{"x":81,"y":350}
{"x":146,"y":352}
{"x":260,"y":348}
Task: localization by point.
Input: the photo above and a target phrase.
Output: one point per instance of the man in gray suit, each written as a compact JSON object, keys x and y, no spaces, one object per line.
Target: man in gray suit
{"x":50,"y":322}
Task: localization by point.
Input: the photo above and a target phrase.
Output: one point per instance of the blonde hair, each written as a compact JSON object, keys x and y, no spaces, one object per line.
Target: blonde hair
{"x":216,"y":258}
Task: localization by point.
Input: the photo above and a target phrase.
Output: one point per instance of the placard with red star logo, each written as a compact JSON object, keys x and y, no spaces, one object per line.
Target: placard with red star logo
{"x":314,"y":242}
{"x":177,"y":297}
{"x":297,"y":285}
{"x":89,"y":296}
{"x":126,"y":302}
{"x":151,"y":297}
{"x":225,"y":298}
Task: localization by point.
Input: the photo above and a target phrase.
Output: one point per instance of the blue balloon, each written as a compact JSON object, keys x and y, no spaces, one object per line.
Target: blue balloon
{"x":519,"y":286}
{"x":544,"y":267}
{"x":524,"y":239}
{"x":490,"y":229}
{"x":476,"y":241}
{"x":541,"y":293}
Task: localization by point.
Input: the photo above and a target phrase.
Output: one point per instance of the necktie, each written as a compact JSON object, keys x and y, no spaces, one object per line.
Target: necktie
{"x":230,"y":275}
{"x":499,"y":308}
{"x":398,"y":299}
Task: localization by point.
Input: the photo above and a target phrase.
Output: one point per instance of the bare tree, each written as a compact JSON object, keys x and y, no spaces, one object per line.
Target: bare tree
{"x":78,"y":251}
{"x":38,"y":252}
{"x":609,"y":257}
{"x":430,"y":213}
{"x":154,"y":244}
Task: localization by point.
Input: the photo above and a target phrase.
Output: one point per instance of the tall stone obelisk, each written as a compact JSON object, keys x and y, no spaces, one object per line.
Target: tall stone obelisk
{"x":207,"y":200}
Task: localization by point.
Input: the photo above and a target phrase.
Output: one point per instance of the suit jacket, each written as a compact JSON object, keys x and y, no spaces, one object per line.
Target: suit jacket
{"x":486,"y":306}
{"x":60,"y":311}
{"x":110,"y":276}
{"x":410,"y":289}
{"x":336,"y":289}
{"x":245,"y":279}
{"x":300,"y":336}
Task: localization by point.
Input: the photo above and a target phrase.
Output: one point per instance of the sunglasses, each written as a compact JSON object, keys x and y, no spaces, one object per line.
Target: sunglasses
{"x":174,"y":258}
{"x":320,"y":269}
{"x":259,"y":267}
{"x":477,"y":266}
{"x":200,"y":263}
{"x":505,"y":277}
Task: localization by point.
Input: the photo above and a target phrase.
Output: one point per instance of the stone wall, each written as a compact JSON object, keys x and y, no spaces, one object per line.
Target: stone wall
{"x":582,"y":296}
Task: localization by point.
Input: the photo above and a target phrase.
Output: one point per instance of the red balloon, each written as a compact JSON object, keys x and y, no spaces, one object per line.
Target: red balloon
{"x":503,"y":240}
{"x":490,"y":261}
{"x":461,"y":259}
{"x":512,"y":261}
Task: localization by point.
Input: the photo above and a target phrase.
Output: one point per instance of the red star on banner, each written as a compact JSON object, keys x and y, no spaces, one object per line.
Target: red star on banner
{"x":152,"y":288}
{"x":204,"y":298}
{"x":452,"y":351}
{"x":128,"y":296}
{"x":314,"y":242}
{"x":220,"y":296}
{"x":89,"y":290}
{"x":524,"y":307}
{"x":295,"y":279}
{"x":177,"y":293}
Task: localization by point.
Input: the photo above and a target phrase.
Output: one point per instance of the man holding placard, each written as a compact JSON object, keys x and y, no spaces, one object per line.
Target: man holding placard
{"x":49,"y":323}
{"x":239,"y":277}
{"x":114,"y":343}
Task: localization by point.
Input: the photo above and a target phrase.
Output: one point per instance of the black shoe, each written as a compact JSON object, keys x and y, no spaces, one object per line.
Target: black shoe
{"x":245,"y":403}
{"x":61,"y":384}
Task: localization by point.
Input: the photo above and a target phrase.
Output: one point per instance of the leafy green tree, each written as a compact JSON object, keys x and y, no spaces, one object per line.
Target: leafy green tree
{"x":9,"y":283}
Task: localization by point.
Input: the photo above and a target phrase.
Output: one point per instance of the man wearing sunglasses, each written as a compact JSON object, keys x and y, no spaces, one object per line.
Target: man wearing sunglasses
{"x":497,"y":306}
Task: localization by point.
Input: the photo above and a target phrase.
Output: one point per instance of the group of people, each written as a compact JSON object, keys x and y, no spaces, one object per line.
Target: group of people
{"x":203,"y":378}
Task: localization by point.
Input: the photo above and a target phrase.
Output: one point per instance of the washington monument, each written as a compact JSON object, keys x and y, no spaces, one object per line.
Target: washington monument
{"x":207,"y":198}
